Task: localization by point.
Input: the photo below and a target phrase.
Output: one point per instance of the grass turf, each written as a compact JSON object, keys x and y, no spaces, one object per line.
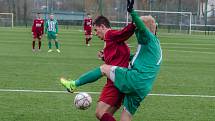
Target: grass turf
{"x":187,"y":68}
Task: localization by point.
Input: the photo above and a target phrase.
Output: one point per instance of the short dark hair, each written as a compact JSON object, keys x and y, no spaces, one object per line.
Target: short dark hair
{"x":102,"y":20}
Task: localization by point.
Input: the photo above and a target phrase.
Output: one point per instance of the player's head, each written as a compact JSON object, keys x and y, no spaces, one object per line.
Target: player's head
{"x":101,"y":25}
{"x":51,"y":16}
{"x":38,"y":15}
{"x":88,"y":15}
{"x":149,"y":22}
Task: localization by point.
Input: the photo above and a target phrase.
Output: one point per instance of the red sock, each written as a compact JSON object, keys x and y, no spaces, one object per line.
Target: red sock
{"x":107,"y":117}
{"x":33,"y":44}
{"x":39,"y":43}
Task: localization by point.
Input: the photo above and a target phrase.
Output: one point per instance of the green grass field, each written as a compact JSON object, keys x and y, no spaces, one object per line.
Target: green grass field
{"x":188,"y":68}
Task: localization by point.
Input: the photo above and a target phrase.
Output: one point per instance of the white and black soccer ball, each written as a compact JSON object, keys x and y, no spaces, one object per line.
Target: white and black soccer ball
{"x":82,"y":101}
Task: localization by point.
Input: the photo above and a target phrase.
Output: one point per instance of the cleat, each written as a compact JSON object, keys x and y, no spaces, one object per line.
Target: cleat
{"x":58,"y":50}
{"x":69,"y":85}
{"x":33,"y":50}
{"x":88,"y":45}
{"x":39,"y":50}
{"x":50,"y":50}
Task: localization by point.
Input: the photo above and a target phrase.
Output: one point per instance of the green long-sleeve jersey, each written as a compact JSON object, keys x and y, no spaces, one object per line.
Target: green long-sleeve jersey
{"x":149,"y":54}
{"x":51,"y":26}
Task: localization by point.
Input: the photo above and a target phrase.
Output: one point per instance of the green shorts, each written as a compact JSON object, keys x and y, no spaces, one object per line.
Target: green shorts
{"x":134,"y":84}
{"x":51,"y":35}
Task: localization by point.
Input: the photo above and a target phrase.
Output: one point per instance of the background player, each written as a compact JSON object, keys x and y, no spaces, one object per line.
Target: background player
{"x":37,"y":31}
{"x":116,"y":52}
{"x":51,"y":29}
{"x":88,"y":28}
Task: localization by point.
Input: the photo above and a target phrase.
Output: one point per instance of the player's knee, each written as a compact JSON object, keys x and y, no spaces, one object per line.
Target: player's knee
{"x":103,"y":69}
{"x":99,"y":113}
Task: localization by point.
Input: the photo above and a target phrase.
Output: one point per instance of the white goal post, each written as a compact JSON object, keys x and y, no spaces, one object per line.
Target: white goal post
{"x":7,"y":18}
{"x":180,"y":16}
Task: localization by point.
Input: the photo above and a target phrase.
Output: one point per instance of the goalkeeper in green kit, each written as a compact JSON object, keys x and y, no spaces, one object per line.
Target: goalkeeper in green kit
{"x":51,"y":29}
{"x":137,"y":80}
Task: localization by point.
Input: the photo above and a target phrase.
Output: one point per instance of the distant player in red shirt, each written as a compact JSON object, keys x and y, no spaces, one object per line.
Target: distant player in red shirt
{"x":37,"y":31}
{"x":88,"y":23}
{"x":116,"y":52}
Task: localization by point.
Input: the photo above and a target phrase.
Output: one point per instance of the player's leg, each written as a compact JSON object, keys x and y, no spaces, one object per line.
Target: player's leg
{"x":33,"y":42}
{"x":39,"y":44}
{"x":33,"y":45}
{"x":106,"y":69}
{"x":89,"y":77}
{"x":110,"y":100}
{"x":131,"y":102}
{"x":94,"y":75}
{"x":57,"y":45}
{"x":87,"y":40}
{"x":86,"y":37}
{"x":125,"y":115}
{"x":89,"y":36}
{"x":107,"y":117}
{"x":50,"y":45}
{"x":103,"y":108}
{"x":136,"y":85}
{"x":39,"y":41}
{"x":49,"y":37}
{"x":54,"y":37}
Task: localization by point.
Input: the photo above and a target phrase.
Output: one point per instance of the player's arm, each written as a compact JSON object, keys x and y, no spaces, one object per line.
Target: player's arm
{"x":33,"y":27}
{"x":42,"y":27}
{"x":135,"y":17}
{"x":84,"y":25}
{"x":138,"y":22}
{"x":141,"y":27}
{"x":46,"y":27}
{"x":56,"y":27}
{"x":124,"y":34}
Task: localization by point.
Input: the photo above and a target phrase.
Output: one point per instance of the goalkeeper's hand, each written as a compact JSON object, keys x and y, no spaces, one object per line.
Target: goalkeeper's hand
{"x":130,"y":4}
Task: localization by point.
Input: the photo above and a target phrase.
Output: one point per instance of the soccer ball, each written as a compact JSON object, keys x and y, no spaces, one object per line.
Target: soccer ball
{"x":82,"y":101}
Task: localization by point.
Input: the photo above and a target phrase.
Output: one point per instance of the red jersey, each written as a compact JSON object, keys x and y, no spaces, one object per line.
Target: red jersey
{"x":88,"y":23}
{"x":116,"y":51}
{"x":38,"y":26}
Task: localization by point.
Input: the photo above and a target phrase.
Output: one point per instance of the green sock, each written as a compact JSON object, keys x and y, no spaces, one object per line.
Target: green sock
{"x":89,"y":77}
{"x":57,"y":44}
{"x":50,"y":45}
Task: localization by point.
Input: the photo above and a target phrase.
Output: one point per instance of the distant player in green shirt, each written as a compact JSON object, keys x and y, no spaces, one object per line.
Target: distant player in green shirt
{"x":137,"y":81}
{"x":51,"y":29}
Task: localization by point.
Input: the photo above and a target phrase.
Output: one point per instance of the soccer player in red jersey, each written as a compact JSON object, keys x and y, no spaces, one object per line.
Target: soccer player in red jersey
{"x":88,"y":23}
{"x":116,"y":52}
{"x":37,"y":31}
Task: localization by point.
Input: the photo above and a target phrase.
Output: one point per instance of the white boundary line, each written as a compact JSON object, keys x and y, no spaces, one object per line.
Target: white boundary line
{"x":49,"y":91}
{"x":189,"y":51}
